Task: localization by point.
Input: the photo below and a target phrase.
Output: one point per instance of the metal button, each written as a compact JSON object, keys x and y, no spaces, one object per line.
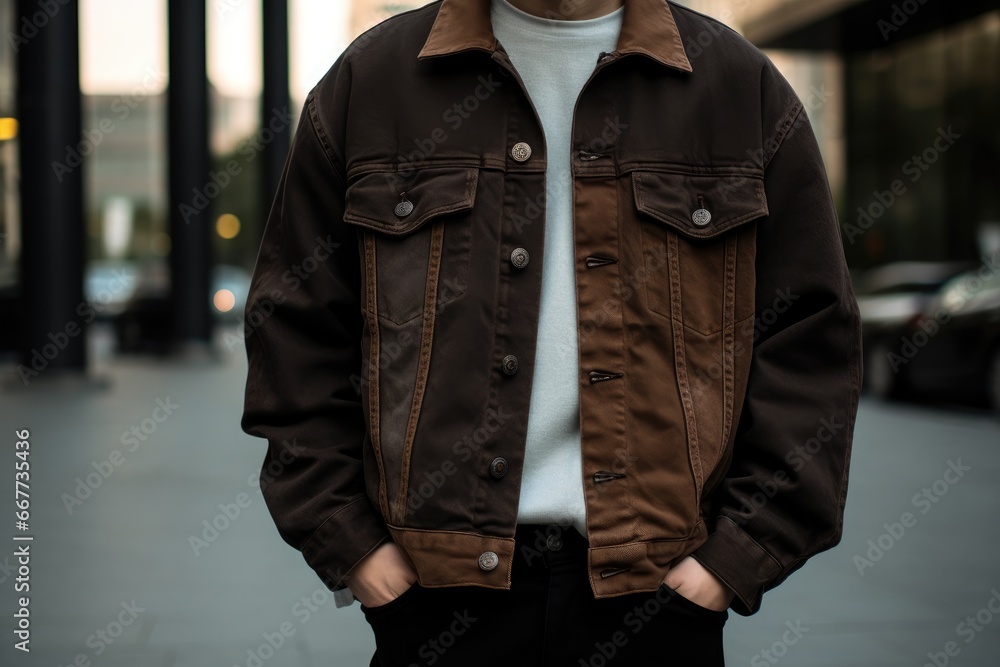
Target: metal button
{"x":404,"y":207}
{"x":554,"y":543}
{"x":520,"y":151}
{"x":509,"y":364}
{"x":701,"y":217}
{"x":488,"y":561}
{"x":519,"y":257}
{"x":498,"y":467}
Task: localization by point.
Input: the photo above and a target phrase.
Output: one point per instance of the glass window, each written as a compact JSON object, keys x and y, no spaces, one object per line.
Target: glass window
{"x":923,"y":144}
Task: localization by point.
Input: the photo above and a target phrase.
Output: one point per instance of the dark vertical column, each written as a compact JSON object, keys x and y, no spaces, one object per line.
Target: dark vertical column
{"x":192,"y":190}
{"x":53,"y":246}
{"x":275,"y":100}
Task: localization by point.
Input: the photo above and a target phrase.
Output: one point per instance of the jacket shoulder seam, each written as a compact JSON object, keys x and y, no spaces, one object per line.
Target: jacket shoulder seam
{"x":328,"y":149}
{"x":783,"y":131}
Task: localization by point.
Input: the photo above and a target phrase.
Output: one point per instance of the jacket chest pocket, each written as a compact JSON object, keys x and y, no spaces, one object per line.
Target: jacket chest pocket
{"x":699,"y":244}
{"x":417,"y":237}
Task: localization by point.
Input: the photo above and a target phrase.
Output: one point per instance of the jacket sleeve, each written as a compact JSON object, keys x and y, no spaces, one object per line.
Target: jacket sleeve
{"x":782,"y":500}
{"x":303,"y":341}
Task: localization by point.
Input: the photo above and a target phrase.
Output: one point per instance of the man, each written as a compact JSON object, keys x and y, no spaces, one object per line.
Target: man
{"x":551,"y":334}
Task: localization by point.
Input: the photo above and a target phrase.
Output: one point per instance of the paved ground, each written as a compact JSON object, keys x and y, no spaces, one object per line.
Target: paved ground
{"x":123,"y":552}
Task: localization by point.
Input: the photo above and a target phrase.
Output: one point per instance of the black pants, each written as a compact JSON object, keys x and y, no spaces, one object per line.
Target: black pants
{"x":548,"y":617}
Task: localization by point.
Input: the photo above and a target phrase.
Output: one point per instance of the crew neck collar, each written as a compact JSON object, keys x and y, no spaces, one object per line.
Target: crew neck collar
{"x":550,"y":25}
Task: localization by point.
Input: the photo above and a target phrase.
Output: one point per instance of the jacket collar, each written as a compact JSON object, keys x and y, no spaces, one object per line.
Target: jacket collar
{"x":648,"y":28}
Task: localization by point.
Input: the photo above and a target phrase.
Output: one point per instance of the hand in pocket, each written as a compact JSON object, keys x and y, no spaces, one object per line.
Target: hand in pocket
{"x":381,"y":576}
{"x":692,"y":581}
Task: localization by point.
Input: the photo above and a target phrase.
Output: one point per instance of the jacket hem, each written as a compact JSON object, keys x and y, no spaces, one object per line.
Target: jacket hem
{"x":444,"y":558}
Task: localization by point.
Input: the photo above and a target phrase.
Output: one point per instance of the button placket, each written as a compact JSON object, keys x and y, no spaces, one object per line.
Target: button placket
{"x":513,"y":306}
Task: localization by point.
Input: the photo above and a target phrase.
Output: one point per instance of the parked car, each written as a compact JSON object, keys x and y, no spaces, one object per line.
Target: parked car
{"x":952,"y":348}
{"x":890,"y":297}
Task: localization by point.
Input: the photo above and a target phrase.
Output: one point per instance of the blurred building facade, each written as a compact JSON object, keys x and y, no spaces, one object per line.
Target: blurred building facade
{"x":921,"y":97}
{"x":367,"y":13}
{"x":126,"y":174}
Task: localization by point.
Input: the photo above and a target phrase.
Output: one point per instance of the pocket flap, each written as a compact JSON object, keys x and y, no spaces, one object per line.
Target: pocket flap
{"x":699,"y":206}
{"x":371,"y":200}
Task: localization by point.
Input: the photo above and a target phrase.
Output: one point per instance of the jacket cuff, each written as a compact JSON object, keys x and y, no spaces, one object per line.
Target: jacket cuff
{"x":343,"y":540}
{"x":742,"y":564}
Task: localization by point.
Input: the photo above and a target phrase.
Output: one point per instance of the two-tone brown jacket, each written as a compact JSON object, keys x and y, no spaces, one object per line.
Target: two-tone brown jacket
{"x":393,"y":314}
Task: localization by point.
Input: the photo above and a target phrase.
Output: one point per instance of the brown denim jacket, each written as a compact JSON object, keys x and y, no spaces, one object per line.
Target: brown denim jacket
{"x":393,"y":314}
